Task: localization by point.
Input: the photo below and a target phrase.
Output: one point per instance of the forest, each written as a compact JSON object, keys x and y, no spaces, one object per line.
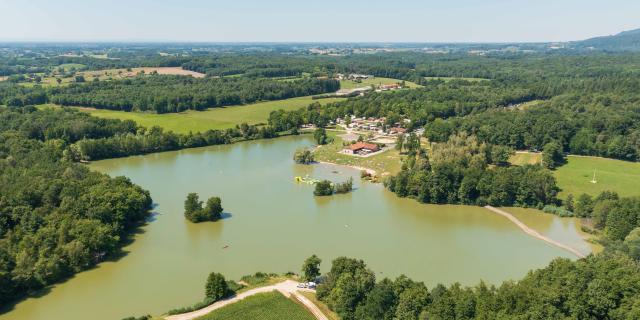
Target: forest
{"x":604,"y":286}
{"x":56,"y":216}
{"x":163,"y":94}
{"x":459,"y":172}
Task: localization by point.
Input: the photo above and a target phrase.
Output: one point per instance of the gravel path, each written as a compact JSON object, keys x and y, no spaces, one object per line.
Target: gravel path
{"x":288,"y":288}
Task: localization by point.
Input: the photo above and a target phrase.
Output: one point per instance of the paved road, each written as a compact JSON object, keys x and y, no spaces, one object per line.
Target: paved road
{"x":288,"y":288}
{"x":534,"y":233}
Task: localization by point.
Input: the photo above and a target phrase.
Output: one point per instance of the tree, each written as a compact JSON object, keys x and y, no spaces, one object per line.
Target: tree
{"x":216,"y":287}
{"x":213,"y":209}
{"x":323,"y":188}
{"x":311,"y":268}
{"x":500,"y":155}
{"x":344,"y":187}
{"x":584,"y":206}
{"x":194,"y":211}
{"x":80,"y":79}
{"x":632,"y":241}
{"x":400,"y":143}
{"x":58,"y":80}
{"x":304,"y":156}
{"x":568,"y":203}
{"x":320,"y":135}
{"x":192,"y":206}
{"x":552,"y":155}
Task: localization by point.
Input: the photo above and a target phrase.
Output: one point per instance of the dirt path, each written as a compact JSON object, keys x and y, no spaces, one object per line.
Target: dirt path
{"x":534,"y":233}
{"x":288,"y":288}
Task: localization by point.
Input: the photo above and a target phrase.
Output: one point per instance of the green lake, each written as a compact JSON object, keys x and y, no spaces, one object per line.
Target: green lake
{"x":273,"y":224}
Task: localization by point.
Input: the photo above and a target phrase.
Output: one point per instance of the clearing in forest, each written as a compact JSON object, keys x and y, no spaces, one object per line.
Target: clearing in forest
{"x":576,"y":176}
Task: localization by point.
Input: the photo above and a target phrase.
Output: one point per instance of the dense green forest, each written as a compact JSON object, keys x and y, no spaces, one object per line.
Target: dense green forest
{"x":458,"y":171}
{"x":57,"y":217}
{"x":177,"y":93}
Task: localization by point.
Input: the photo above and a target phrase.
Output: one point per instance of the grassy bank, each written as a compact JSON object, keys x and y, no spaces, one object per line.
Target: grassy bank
{"x":321,"y":305}
{"x":262,"y":306}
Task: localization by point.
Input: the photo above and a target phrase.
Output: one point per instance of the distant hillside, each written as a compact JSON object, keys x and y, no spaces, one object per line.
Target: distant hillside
{"x":623,"y":41}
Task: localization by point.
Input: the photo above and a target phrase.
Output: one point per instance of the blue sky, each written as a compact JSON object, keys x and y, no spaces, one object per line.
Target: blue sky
{"x":319,"y":20}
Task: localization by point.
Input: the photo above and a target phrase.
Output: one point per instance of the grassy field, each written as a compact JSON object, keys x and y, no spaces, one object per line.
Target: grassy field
{"x":214,"y":118}
{"x":385,"y":163}
{"x":263,"y":306}
{"x":522,"y":158}
{"x":349,"y":84}
{"x":613,"y":175}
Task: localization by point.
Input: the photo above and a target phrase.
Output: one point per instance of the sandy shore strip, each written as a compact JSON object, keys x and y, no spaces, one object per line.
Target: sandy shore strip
{"x":370,"y":171}
{"x":534,"y":233}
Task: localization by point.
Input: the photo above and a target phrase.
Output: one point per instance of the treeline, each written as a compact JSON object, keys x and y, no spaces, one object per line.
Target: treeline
{"x":164,"y":94}
{"x":606,"y":125}
{"x":56,"y":217}
{"x":90,"y":138}
{"x":616,"y":217}
{"x":605,"y":286}
{"x":155,"y":139}
{"x":459,"y":172}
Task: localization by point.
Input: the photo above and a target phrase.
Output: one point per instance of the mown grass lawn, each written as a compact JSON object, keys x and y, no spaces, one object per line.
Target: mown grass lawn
{"x":349,"y":84}
{"x":214,"y":118}
{"x":386,"y":163}
{"x":611,"y":175}
{"x":262,"y":306}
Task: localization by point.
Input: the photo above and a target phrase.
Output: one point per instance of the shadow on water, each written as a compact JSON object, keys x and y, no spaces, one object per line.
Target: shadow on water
{"x":127,"y":240}
{"x":225,"y":215}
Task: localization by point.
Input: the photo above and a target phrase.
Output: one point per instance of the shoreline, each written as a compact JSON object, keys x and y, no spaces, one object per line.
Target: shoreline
{"x":535,"y":233}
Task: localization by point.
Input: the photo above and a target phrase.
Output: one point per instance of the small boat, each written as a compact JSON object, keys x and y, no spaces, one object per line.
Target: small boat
{"x":226,"y":246}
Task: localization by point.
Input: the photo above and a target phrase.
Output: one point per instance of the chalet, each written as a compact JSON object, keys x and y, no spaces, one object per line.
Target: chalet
{"x":361,"y":148}
{"x":397,"y":130}
{"x":393,"y":86}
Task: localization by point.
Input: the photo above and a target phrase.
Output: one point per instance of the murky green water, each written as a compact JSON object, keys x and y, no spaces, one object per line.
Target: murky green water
{"x":274,"y":225}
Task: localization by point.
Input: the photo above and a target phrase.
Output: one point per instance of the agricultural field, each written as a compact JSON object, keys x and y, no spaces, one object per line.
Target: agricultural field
{"x":262,"y":306}
{"x":611,"y":175}
{"x":350,"y":84}
{"x":211,"y":119}
{"x":385,"y":163}
{"x":124,"y":73}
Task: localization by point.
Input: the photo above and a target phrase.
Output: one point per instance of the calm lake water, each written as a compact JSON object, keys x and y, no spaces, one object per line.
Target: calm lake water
{"x":274,"y":224}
